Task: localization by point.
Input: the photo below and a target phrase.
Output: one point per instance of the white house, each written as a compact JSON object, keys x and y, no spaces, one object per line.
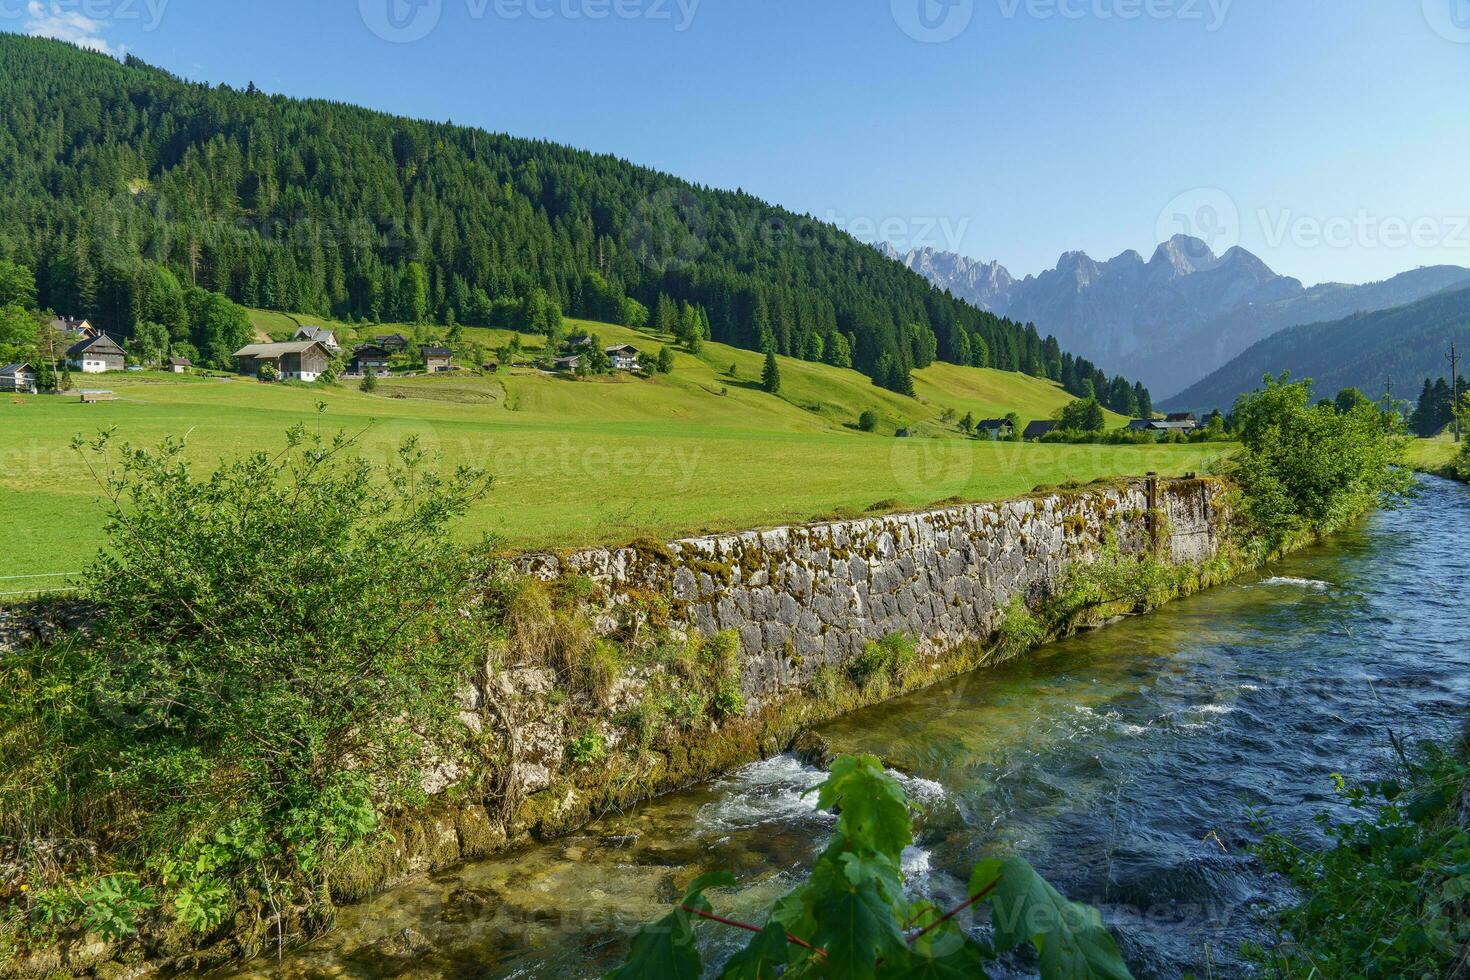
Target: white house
{"x":623,"y":357}
{"x":96,"y":355}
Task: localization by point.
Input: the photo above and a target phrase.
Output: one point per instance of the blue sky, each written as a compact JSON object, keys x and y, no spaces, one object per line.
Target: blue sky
{"x":1331,"y":137}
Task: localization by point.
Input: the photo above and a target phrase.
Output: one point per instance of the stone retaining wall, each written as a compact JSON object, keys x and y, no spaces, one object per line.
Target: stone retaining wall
{"x":806,"y":596}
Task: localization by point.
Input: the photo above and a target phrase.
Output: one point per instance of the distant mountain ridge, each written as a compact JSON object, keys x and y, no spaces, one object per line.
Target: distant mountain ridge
{"x":1173,"y":319}
{"x":1406,"y":344}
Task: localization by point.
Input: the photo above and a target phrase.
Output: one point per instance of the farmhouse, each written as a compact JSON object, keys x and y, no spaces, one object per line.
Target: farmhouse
{"x":369,"y":357}
{"x":995,"y":429}
{"x":18,"y":377}
{"x":568,"y":363}
{"x":1182,"y":422}
{"x":1185,"y":424}
{"x":74,"y":328}
{"x":327,"y":337}
{"x":623,"y":357}
{"x":392,"y":343}
{"x":96,"y":354}
{"x":437,"y":359}
{"x":297,"y":360}
{"x":578,"y":341}
{"x":1036,"y":430}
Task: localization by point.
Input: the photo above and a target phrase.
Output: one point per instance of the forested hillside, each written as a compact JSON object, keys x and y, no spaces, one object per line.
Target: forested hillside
{"x":123,"y":184}
{"x":1406,"y":344}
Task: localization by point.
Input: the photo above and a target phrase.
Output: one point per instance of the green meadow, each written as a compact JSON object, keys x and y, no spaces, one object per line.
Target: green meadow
{"x":576,"y":462}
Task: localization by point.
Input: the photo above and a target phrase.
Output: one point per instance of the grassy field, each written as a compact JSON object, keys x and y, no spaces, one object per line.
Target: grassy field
{"x":1432,"y":454}
{"x":577,"y":462}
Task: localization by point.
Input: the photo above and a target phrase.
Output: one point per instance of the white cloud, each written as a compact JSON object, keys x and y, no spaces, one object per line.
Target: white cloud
{"x":50,"y":20}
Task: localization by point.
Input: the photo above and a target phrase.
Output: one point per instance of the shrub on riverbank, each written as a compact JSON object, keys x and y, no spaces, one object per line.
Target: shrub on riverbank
{"x":1311,"y":468}
{"x":272,"y":646}
{"x":1390,"y":897}
{"x":1460,"y":468}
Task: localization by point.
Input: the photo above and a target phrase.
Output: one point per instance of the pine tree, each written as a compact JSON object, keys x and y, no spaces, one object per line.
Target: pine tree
{"x":771,"y":376}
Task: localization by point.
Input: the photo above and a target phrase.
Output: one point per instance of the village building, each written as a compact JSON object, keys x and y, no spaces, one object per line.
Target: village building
{"x":577,"y":341}
{"x":623,"y":357}
{"x":1037,"y":430}
{"x":370,"y":357}
{"x":1185,"y":421}
{"x":96,"y":354}
{"x":1184,"y":425}
{"x":178,"y":365}
{"x":297,"y":360}
{"x":328,"y":338}
{"x":392,"y":343}
{"x":995,"y":429}
{"x":74,"y":328}
{"x":437,"y":359}
{"x":568,"y":363}
{"x":19,"y":378}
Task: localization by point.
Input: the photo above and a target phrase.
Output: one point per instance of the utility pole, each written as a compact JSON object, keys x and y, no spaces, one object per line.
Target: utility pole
{"x":1454,"y":359}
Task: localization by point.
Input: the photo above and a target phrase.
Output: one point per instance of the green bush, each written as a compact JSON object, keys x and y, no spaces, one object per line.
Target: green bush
{"x":587,"y":748}
{"x":868,"y":420}
{"x":1460,"y":468}
{"x":826,"y":683}
{"x":888,"y":660}
{"x":270,"y":640}
{"x":1390,"y":896}
{"x":1306,"y":467}
{"x":1019,"y":630}
{"x":728,"y":702}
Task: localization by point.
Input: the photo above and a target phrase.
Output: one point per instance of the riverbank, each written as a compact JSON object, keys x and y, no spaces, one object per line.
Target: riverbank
{"x":1438,"y":457}
{"x":1130,"y":764}
{"x":628,"y":674}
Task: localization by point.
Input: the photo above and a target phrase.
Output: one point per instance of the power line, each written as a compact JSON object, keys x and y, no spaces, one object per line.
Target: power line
{"x":1454,"y":359}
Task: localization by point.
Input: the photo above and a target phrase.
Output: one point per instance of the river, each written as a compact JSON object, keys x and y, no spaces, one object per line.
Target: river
{"x":1127,"y":764}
